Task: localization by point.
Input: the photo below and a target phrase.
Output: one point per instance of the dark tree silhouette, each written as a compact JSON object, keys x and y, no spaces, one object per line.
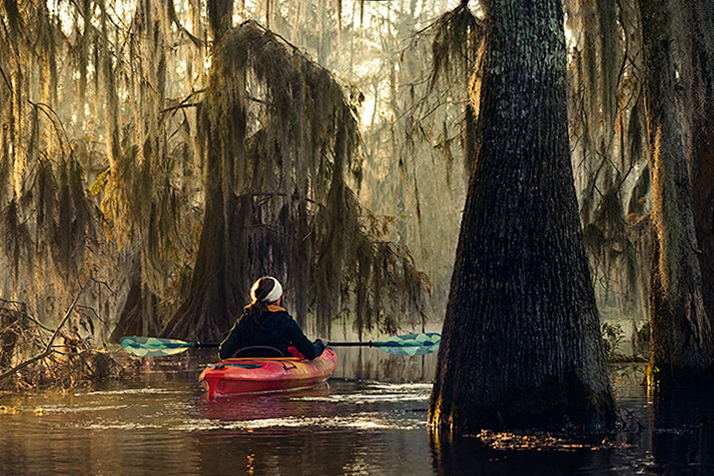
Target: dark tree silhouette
{"x":698,"y":61}
{"x":521,"y":344}
{"x":681,"y":341}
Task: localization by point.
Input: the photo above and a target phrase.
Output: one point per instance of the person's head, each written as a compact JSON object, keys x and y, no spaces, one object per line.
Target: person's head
{"x":266,"y":290}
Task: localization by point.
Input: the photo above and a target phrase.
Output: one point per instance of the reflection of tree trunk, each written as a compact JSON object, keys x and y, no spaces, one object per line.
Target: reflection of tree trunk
{"x":681,"y":433}
{"x":681,"y":335}
{"x":521,"y":343}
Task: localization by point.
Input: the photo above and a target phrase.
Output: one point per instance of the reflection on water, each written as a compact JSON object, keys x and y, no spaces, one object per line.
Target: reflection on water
{"x":668,"y":433}
{"x":682,"y":435}
{"x":165,"y":425}
{"x":359,"y":363}
{"x":170,"y":427}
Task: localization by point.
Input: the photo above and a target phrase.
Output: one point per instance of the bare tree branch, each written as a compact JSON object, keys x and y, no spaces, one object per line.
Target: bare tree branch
{"x":48,"y":348}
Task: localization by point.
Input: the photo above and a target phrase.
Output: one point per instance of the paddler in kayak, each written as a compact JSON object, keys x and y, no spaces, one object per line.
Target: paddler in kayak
{"x":265,"y":324}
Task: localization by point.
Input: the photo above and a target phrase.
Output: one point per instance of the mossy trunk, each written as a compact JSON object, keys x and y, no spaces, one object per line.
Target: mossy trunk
{"x":138,"y":315}
{"x":8,"y":337}
{"x":278,"y":138}
{"x":521,"y":344}
{"x":681,"y":340}
{"x":211,"y":306}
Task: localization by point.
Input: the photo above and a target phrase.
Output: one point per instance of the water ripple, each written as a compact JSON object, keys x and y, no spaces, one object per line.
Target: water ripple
{"x":363,"y":421}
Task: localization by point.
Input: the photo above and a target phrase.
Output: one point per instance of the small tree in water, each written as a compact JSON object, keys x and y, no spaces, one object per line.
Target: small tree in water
{"x":521,"y":344}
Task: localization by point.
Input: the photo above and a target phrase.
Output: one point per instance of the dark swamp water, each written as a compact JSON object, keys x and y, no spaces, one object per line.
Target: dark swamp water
{"x":370,"y":419}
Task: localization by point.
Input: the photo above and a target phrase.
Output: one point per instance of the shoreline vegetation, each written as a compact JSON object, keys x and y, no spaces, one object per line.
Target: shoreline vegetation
{"x":34,"y":357}
{"x":68,"y":362}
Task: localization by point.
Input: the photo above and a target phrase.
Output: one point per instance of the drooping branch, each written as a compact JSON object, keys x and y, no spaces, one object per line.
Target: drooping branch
{"x":281,"y":141}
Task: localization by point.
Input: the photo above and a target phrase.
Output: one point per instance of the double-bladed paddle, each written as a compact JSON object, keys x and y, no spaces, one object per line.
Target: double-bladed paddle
{"x":409,"y":344}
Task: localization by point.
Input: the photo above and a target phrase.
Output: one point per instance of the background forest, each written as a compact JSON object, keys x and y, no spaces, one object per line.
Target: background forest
{"x":157,"y":157}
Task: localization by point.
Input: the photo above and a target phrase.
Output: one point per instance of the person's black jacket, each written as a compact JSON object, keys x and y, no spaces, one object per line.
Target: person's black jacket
{"x":276,"y":329}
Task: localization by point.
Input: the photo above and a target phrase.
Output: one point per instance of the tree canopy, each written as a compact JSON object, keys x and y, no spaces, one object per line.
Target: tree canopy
{"x":173,"y":166}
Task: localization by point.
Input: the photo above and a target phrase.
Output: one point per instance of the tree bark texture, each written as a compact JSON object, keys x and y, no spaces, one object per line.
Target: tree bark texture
{"x":681,"y":337}
{"x":225,"y":264}
{"x":216,"y":288}
{"x":8,"y":336}
{"x":138,"y":316}
{"x":521,"y":343}
{"x":699,"y":55}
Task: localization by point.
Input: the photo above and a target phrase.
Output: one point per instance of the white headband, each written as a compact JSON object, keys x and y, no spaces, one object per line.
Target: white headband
{"x":272,"y":296}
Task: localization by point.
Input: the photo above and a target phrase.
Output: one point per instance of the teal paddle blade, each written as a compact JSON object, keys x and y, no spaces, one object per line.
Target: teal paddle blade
{"x":410,"y":344}
{"x":153,"y":346}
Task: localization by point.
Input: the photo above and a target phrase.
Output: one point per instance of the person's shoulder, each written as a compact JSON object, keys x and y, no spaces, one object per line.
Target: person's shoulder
{"x":275,"y":319}
{"x":281,"y":316}
{"x":243,"y":320}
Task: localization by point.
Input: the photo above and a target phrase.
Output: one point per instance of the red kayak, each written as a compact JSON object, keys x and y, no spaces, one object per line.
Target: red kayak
{"x":250,"y":375}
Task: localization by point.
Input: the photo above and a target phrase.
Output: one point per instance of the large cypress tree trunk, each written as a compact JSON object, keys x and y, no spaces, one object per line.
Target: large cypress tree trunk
{"x":681,"y":337}
{"x":210,"y":306}
{"x":521,"y":345}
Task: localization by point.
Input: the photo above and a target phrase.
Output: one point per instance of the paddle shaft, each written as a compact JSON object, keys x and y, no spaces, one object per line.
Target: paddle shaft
{"x":350,"y":344}
{"x":333,"y":344}
{"x":205,"y":345}
{"x":199,"y":345}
